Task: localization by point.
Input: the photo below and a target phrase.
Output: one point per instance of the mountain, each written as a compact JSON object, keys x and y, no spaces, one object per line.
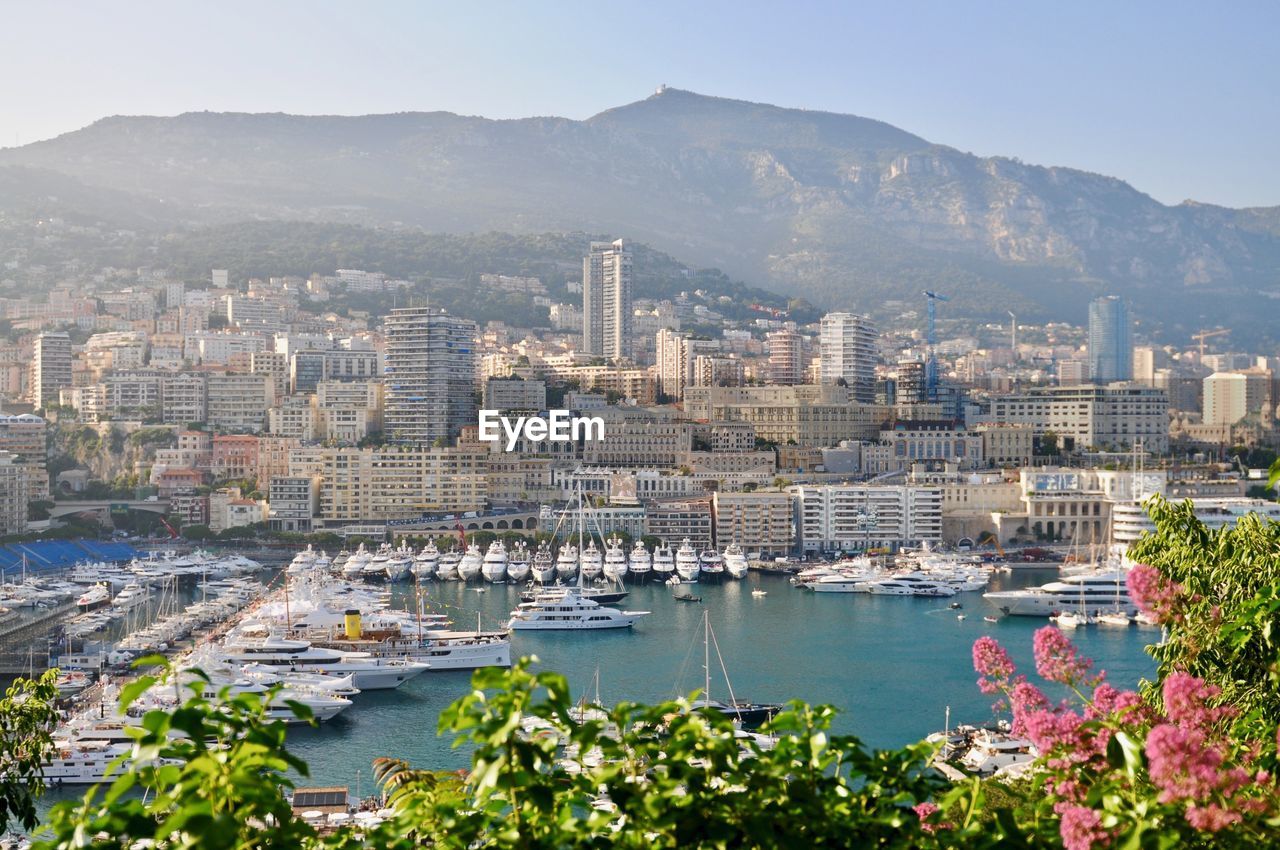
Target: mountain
{"x":846,"y":211}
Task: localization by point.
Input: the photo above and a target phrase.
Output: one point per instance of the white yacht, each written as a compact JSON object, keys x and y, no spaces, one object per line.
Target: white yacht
{"x":567,"y":562}
{"x":424,"y":564}
{"x":543,"y":566}
{"x":840,"y":582}
{"x":130,"y":596}
{"x":367,"y":673}
{"x":94,"y":597}
{"x":615,"y":560}
{"x":355,"y":564}
{"x":339,"y":560}
{"x":1089,"y":593}
{"x":590,"y":563}
{"x":639,"y":564}
{"x":735,"y":561}
{"x":471,"y":564}
{"x":376,"y":568}
{"x":399,"y":564}
{"x":447,"y":569}
{"x":518,"y":564}
{"x":569,"y":611}
{"x":686,"y":562}
{"x":494,"y":567}
{"x":664,"y":563}
{"x":910,"y":584}
{"x":710,"y":564}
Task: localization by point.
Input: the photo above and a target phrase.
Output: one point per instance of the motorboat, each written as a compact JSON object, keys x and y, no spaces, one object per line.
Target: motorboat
{"x":1090,"y":593}
{"x":94,"y":597}
{"x":591,"y":562}
{"x":567,"y":562}
{"x":376,"y":568}
{"x":710,"y":564}
{"x":910,"y":584}
{"x":472,"y":563}
{"x":664,"y":562}
{"x":686,"y":562}
{"x":367,"y":673}
{"x":518,"y":564}
{"x":735,"y":561}
{"x":543,"y":567}
{"x":447,"y":568}
{"x":615,"y":559}
{"x":399,"y":564}
{"x":426,"y":561}
{"x":639,"y":562}
{"x":130,"y":596}
{"x":494,"y":566}
{"x":354,"y":567}
{"x":603,"y":595}
{"x":569,"y":611}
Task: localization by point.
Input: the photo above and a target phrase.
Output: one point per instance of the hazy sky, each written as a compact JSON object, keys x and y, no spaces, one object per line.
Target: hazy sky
{"x":1179,"y":99}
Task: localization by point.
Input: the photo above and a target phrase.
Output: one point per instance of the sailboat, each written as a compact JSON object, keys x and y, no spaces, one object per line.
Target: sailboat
{"x":749,"y":714}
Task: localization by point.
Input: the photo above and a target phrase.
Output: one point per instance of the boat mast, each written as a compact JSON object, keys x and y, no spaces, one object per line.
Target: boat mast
{"x":706,"y":657}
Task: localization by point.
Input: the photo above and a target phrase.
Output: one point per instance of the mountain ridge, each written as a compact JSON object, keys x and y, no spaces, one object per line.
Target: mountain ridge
{"x":845,"y":210}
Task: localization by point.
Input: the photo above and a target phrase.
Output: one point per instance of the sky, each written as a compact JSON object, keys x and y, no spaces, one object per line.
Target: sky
{"x":1177,"y":98}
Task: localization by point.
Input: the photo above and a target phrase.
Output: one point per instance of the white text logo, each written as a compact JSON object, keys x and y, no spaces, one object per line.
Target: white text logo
{"x":558,"y":426}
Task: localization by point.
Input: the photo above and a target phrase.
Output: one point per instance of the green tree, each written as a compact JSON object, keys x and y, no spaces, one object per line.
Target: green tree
{"x":27,"y":719}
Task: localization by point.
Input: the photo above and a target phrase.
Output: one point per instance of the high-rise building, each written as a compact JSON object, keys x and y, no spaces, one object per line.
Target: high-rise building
{"x":673,"y":357}
{"x":606,"y":300}
{"x":50,"y":368}
{"x":847,"y":351}
{"x":1110,"y":340}
{"x":430,"y":375}
{"x":1231,"y":396}
{"x":786,"y":357}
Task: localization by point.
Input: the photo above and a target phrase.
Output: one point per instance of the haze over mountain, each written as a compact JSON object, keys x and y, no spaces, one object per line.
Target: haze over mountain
{"x":846,"y":211}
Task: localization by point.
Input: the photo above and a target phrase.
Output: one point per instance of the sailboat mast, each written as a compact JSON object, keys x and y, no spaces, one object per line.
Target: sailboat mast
{"x":706,"y":657}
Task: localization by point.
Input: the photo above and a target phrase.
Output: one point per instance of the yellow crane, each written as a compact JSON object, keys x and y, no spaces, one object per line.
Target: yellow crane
{"x":1203,"y":335}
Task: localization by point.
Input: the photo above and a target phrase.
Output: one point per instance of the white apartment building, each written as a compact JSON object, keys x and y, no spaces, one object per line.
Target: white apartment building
{"x":673,"y":362}
{"x":293,"y":502}
{"x":239,"y":402}
{"x":1231,"y":396}
{"x":14,"y":494}
{"x":184,"y":398}
{"x":758,"y":522}
{"x":841,"y":517}
{"x":430,"y":369}
{"x":1115,"y":416}
{"x":50,"y":368}
{"x":606,"y":300}
{"x":847,"y":349}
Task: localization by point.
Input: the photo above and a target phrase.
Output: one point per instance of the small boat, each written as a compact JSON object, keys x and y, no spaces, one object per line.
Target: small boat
{"x":1114,"y":618}
{"x":759,"y":592}
{"x":991,"y":619}
{"x":960,"y":616}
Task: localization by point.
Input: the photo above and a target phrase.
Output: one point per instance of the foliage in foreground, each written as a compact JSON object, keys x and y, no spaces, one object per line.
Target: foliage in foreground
{"x":27,"y":720}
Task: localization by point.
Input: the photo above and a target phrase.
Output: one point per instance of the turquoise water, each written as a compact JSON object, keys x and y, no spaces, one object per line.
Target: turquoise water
{"x":890,"y":664}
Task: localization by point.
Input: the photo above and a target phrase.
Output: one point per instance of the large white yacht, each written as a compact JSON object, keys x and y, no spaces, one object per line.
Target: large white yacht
{"x":367,"y":673}
{"x":687,"y":562}
{"x":615,"y":560}
{"x":543,"y":567}
{"x":471,"y":564}
{"x":447,"y":569}
{"x":424,"y":564}
{"x":591,"y":562}
{"x":130,"y":596}
{"x":710,"y":564}
{"x":1091,"y":593}
{"x":494,"y":567}
{"x":910,"y":584}
{"x":518,"y":563}
{"x":567,"y":561}
{"x":356,"y":562}
{"x":735,"y":561}
{"x":664,"y":563}
{"x":399,"y":564}
{"x":639,"y":564}
{"x":568,"y":610}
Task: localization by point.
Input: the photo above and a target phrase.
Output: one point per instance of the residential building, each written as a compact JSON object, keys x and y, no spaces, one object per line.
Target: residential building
{"x":398,"y":482}
{"x":786,"y":357}
{"x":847,"y":353}
{"x":606,"y":300}
{"x":805,"y":414}
{"x":239,"y":402}
{"x":50,"y":368}
{"x":758,"y":522}
{"x":1231,"y":396}
{"x":294,"y":417}
{"x":14,"y":494}
{"x":274,"y":452}
{"x":844,"y":517}
{"x":1114,"y":417}
{"x":1110,"y":340}
{"x":711,"y":371}
{"x":430,"y":368}
{"x":184,"y":398}
{"x":235,"y":456}
{"x":515,"y":394}
{"x":23,"y":436}
{"x":674,"y":520}
{"x":293,"y":502}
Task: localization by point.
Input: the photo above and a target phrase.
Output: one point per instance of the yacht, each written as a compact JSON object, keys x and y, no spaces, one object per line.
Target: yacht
{"x":131,"y":596}
{"x":399,"y":564}
{"x":339,"y":560}
{"x":664,"y":563}
{"x":591,"y":563}
{"x":567,"y":561}
{"x":840,"y":582}
{"x":569,"y":611}
{"x":424,"y":565}
{"x":1089,"y":593}
{"x":1071,"y":620}
{"x":603,"y":595}
{"x":518,"y":564}
{"x":84,"y":762}
{"x":710,"y":564}
{"x":355,"y":564}
{"x":447,"y":569}
{"x":639,"y":564}
{"x":302,"y":561}
{"x":686,"y":562}
{"x":543,"y":567}
{"x":910,"y":584}
{"x":94,"y":597}
{"x":367,"y":673}
{"x":376,"y":568}
{"x":471,"y":564}
{"x":615,"y":560}
{"x":494,"y":566}
{"x":735,"y":561}
{"x":1114,"y":618}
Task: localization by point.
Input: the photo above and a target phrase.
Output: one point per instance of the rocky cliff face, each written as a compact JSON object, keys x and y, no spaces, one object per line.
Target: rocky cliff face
{"x":845,"y":210}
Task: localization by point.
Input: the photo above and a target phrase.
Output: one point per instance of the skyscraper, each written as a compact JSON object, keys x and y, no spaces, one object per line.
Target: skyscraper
{"x":1110,"y":340}
{"x":847,"y":348}
{"x":430,"y":375}
{"x":786,"y":357}
{"x":674,"y":361}
{"x":606,"y":300}
{"x":50,"y":368}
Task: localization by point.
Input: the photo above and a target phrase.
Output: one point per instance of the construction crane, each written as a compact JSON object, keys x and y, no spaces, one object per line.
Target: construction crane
{"x":1203,"y":335}
{"x":931,"y":365}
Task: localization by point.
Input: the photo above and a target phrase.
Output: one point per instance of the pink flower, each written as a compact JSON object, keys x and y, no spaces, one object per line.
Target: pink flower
{"x":1081,"y":829}
{"x":993,"y":663}
{"x":1185,"y":766}
{"x":1185,"y":702}
{"x":1057,"y":658}
{"x":1212,"y":818}
{"x":1024,"y":699}
{"x":924,"y":811}
{"x":1048,"y":729}
{"x":1152,"y":592}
